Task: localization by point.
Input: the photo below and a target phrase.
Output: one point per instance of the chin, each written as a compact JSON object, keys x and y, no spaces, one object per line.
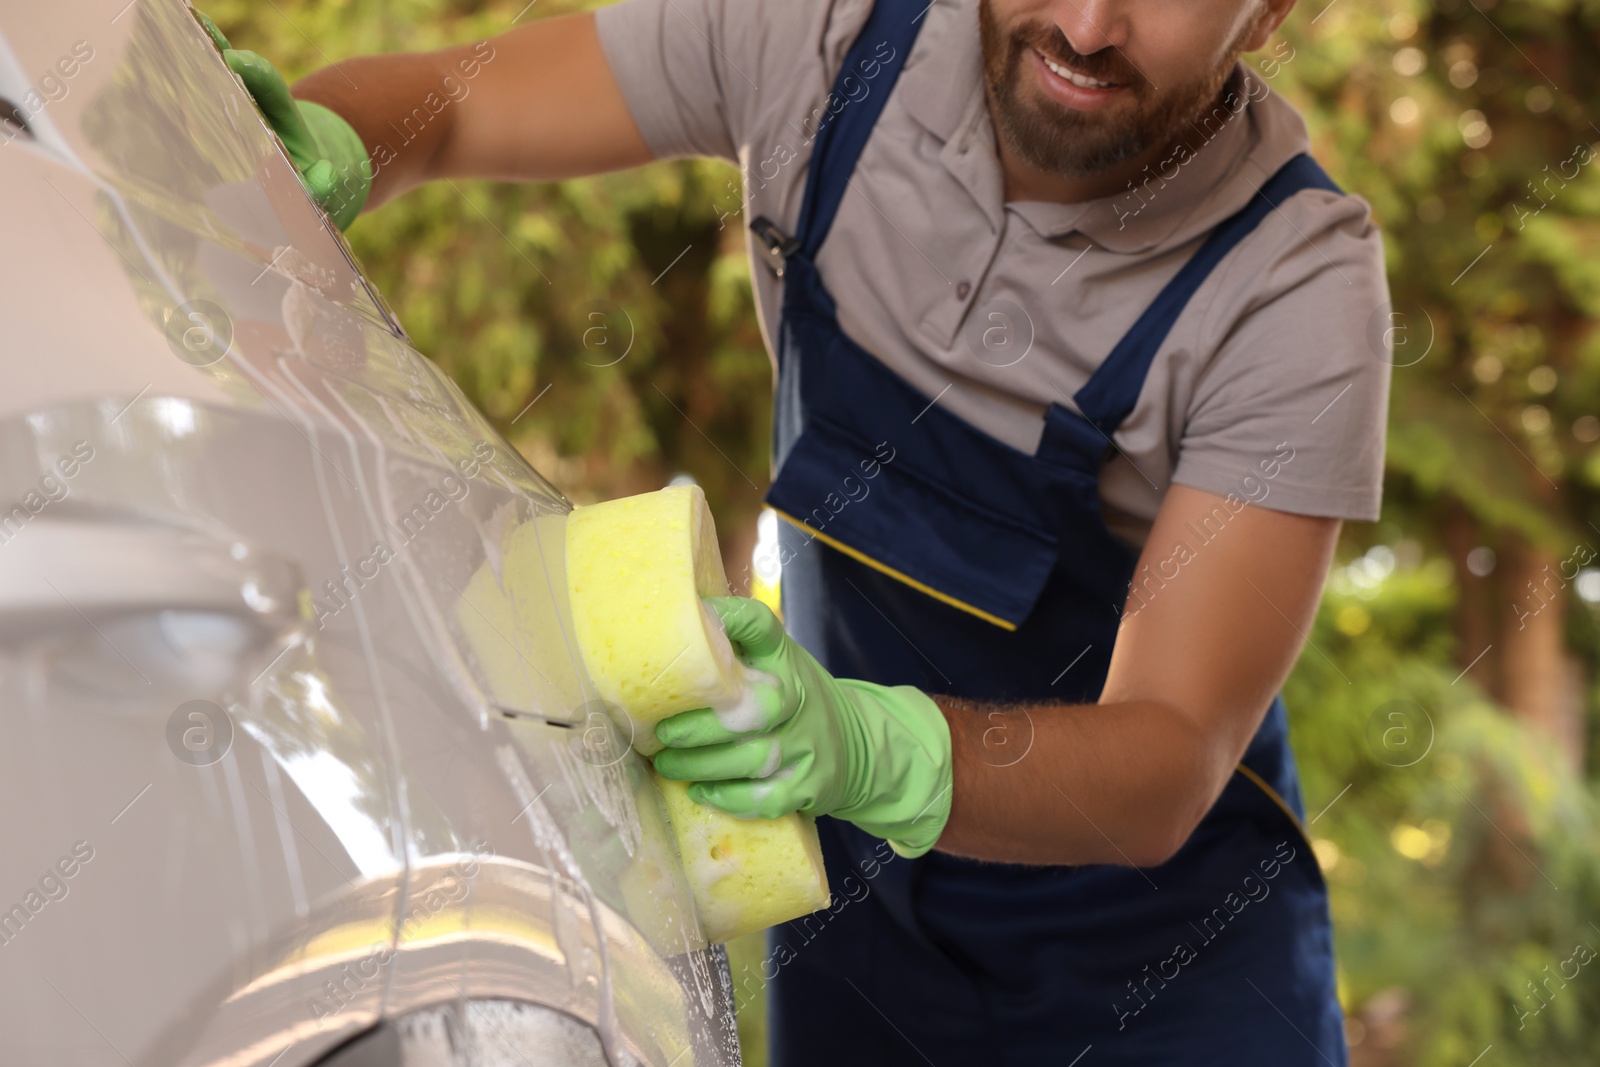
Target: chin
{"x":1065,"y":143}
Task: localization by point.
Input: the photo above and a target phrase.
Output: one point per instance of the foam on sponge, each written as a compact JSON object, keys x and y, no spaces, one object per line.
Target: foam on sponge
{"x":637,"y":569}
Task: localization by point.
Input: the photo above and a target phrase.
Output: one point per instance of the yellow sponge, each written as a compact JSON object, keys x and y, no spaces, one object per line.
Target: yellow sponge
{"x":636,"y":571}
{"x":746,"y":874}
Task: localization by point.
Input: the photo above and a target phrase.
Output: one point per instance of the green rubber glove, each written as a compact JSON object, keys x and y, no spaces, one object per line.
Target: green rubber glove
{"x":806,"y":741}
{"x":325,"y":149}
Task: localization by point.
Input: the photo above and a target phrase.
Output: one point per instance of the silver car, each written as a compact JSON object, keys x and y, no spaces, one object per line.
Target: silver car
{"x":299,"y":762}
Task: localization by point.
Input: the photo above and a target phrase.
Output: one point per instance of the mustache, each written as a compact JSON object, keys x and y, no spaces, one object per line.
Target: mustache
{"x":1106,"y":65}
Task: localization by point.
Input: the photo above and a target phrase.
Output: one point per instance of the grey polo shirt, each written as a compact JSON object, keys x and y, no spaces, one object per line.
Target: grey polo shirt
{"x":1267,"y":388}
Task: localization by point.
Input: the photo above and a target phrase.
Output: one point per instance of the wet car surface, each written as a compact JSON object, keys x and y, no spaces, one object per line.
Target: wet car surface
{"x":300,"y":764}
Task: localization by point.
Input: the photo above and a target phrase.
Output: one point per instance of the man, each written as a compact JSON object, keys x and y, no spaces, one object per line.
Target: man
{"x":1073,"y":391}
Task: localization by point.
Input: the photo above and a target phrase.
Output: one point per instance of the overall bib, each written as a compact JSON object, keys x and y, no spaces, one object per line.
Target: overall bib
{"x":922,"y":551}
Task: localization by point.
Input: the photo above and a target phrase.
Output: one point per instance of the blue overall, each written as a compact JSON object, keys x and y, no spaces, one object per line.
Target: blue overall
{"x":922,"y":551}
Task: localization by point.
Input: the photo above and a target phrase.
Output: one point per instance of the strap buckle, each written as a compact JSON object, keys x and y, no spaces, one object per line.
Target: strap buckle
{"x":778,"y":245}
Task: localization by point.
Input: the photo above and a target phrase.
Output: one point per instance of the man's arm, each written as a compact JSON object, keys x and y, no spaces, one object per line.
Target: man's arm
{"x":1217,"y":628}
{"x":1199,"y":656}
{"x":538,"y":103}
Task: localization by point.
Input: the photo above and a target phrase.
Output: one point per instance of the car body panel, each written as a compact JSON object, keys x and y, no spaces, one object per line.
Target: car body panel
{"x":283,"y":646}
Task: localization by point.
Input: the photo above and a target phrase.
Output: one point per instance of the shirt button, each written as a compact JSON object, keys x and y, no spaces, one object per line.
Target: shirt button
{"x":963,"y":289}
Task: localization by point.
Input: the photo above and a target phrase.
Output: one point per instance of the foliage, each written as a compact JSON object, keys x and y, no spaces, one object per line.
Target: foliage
{"x":1443,"y":114}
{"x":515,"y":290}
{"x":1457,"y":879}
{"x":1458,"y":850}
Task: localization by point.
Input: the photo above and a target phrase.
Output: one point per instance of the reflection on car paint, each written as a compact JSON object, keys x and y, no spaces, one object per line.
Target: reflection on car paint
{"x":409,"y":808}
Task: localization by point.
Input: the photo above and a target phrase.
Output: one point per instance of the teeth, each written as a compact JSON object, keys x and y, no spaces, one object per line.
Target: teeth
{"x":1073,"y":76}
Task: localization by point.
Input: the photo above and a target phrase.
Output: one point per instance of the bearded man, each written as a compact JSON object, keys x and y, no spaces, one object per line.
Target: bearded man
{"x":1073,"y":390}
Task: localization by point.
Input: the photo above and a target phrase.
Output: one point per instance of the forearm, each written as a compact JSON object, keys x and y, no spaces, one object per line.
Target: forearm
{"x":385,"y":99}
{"x":1111,"y":783}
{"x":536,"y":104}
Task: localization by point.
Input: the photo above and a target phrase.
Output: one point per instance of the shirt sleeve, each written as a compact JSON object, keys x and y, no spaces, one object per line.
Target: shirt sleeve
{"x":693,"y":71}
{"x":1292,"y":410}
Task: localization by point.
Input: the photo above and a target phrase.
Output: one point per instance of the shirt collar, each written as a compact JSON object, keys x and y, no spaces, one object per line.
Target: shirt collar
{"x":942,"y":76}
{"x":1245,"y":139}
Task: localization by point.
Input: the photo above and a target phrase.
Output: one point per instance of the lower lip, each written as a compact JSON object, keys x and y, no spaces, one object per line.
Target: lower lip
{"x":1074,"y":96}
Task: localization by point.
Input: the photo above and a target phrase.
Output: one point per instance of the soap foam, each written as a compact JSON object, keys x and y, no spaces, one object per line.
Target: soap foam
{"x":774,"y":760}
{"x":769,"y":781}
{"x":742,"y":714}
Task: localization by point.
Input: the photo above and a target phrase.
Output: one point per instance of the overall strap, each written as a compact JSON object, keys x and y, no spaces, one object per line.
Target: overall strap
{"x":870,"y":70}
{"x":1113,"y":389}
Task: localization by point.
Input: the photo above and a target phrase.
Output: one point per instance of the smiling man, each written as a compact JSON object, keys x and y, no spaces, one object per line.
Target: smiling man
{"x":1073,"y":389}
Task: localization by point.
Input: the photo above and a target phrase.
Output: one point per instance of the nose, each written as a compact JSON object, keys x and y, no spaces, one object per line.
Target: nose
{"x":1092,"y":25}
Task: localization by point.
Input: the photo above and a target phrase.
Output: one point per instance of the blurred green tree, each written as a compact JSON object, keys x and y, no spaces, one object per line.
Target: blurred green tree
{"x":1444,"y":706}
{"x":605,"y":326}
{"x":1466,"y":126}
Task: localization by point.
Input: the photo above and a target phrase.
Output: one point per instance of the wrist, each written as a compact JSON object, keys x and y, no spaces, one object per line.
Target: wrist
{"x":931,"y":726}
{"x":906,"y":766}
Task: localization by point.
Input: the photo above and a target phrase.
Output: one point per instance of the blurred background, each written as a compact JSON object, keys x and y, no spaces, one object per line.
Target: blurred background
{"x":1445,"y":709}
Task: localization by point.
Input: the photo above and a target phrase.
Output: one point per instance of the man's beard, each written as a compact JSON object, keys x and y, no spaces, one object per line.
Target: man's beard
{"x":1077,"y":144}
